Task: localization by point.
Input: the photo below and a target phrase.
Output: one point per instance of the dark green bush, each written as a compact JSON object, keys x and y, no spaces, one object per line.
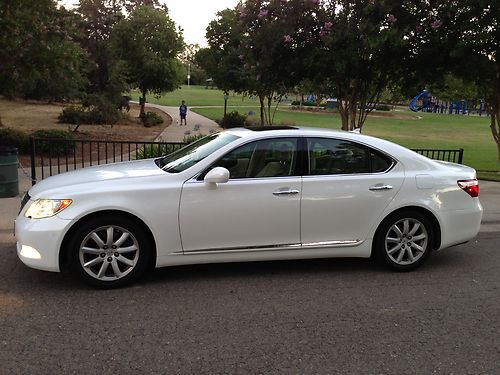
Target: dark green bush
{"x":73,"y":115}
{"x":151,"y":119}
{"x":234,"y":120}
{"x":15,"y":138}
{"x":383,"y":107}
{"x":101,"y":113}
{"x":53,"y":147}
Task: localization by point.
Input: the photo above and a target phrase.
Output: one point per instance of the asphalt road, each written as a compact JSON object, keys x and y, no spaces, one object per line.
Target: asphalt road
{"x":296,"y":317}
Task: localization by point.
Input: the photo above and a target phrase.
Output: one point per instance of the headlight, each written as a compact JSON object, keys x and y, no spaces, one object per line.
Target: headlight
{"x":42,"y":208}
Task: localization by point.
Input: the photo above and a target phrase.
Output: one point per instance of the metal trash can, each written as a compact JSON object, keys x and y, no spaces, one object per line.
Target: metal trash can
{"x":9,"y":182}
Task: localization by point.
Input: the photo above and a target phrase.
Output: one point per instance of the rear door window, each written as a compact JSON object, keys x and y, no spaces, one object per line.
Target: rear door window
{"x":329,"y":156}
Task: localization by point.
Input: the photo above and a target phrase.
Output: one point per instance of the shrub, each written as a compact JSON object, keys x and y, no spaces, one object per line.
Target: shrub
{"x":15,"y":138}
{"x":192,"y":138}
{"x":383,"y":107}
{"x":151,"y":118}
{"x":101,"y":113}
{"x":53,"y":147}
{"x":234,"y":120}
{"x":104,"y":112}
{"x":154,"y":151}
{"x":73,"y":115}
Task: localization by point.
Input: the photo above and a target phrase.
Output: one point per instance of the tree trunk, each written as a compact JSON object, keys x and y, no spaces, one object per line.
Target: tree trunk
{"x":142,"y":102}
{"x":344,"y":113}
{"x":353,"y":107}
{"x":261,"y":100}
{"x":494,"y":123}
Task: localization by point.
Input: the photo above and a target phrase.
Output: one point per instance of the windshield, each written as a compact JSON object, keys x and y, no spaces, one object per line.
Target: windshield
{"x":188,"y":156}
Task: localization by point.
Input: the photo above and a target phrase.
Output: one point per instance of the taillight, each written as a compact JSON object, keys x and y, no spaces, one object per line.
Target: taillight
{"x":471,"y":187}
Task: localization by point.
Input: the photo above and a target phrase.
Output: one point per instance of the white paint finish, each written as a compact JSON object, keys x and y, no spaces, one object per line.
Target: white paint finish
{"x":239,"y":213}
{"x":44,"y":235}
{"x":341,"y":207}
{"x":424,"y":181}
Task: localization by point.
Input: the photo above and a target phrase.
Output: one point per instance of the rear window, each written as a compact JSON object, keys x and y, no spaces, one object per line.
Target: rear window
{"x":329,"y":156}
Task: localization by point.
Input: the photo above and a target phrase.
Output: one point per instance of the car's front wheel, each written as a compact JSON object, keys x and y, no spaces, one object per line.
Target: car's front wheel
{"x":404,"y":240}
{"x":109,"y":252}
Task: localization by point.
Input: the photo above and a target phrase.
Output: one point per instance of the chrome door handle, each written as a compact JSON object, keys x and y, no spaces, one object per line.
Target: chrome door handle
{"x":380,"y":187}
{"x":286,"y":192}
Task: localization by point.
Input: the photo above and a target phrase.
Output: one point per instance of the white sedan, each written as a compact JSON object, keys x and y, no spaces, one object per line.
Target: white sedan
{"x":248,"y":195}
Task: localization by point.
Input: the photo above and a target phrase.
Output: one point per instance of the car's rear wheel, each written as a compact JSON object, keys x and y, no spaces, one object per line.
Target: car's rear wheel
{"x":404,"y":240}
{"x":109,"y":252}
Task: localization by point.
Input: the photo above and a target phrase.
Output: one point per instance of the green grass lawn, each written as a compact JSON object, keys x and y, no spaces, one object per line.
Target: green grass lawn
{"x":197,"y":96}
{"x":421,"y":130}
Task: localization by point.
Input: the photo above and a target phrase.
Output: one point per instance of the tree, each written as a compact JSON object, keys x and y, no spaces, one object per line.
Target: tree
{"x":364,"y":47}
{"x":473,"y":40}
{"x":148,"y":42}
{"x":96,"y":20}
{"x":38,"y":56}
{"x":249,"y":53}
{"x":197,"y":74}
{"x":220,"y":60}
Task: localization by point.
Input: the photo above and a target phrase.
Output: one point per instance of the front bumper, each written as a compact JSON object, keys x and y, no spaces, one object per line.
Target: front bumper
{"x":39,"y":241}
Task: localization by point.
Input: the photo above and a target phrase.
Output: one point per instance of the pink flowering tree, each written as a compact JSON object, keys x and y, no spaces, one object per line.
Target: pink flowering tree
{"x":365,"y":47}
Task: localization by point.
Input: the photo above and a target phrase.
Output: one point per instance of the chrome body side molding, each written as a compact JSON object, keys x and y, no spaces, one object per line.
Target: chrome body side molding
{"x":297,"y":246}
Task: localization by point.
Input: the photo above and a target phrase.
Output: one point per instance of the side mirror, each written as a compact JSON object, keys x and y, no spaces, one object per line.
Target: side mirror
{"x":218,"y":175}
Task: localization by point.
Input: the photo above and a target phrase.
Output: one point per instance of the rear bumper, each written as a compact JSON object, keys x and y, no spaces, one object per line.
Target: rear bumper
{"x":459,"y":226}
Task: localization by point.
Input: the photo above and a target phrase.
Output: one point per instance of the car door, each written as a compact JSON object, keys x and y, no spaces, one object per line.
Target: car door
{"x":257,"y":209}
{"x":348,"y":187}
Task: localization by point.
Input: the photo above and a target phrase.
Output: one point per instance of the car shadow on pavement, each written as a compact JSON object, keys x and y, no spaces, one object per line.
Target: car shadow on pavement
{"x":265,"y":269}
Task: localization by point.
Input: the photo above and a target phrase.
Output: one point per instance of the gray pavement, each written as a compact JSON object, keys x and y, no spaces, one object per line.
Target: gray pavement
{"x":293,"y":317}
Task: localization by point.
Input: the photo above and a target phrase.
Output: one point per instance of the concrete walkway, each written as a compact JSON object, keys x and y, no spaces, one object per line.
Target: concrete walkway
{"x":196,"y":124}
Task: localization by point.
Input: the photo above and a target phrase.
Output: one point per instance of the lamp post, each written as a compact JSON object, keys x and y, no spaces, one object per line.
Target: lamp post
{"x":226,"y":97}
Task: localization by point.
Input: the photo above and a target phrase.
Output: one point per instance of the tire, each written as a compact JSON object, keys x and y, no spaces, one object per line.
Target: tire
{"x":404,"y":241}
{"x":109,"y":252}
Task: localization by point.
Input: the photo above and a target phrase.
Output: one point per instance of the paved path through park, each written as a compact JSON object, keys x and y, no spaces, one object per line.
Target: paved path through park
{"x":196,"y":124}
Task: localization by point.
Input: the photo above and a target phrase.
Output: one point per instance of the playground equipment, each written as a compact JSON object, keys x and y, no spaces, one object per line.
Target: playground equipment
{"x":413,"y":103}
{"x":433,"y":104}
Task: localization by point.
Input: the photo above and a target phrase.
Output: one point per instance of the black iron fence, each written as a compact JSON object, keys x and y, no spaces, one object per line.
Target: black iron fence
{"x":454,"y":156}
{"x":51,"y":156}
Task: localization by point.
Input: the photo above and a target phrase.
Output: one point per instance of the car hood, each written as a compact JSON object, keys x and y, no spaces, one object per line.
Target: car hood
{"x":125,"y":170}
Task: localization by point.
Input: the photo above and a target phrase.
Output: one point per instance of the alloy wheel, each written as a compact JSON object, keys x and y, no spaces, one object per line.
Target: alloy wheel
{"x":406,"y":241}
{"x":109,"y":253}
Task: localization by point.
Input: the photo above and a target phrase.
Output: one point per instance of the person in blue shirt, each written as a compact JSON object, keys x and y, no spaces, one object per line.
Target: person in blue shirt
{"x":183,"y":112}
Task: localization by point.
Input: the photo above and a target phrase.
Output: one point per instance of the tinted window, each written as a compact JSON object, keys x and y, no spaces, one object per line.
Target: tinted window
{"x":335,"y":156}
{"x":265,"y":158}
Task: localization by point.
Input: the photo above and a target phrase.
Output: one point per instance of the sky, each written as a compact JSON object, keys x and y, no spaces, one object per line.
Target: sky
{"x":193,"y":16}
